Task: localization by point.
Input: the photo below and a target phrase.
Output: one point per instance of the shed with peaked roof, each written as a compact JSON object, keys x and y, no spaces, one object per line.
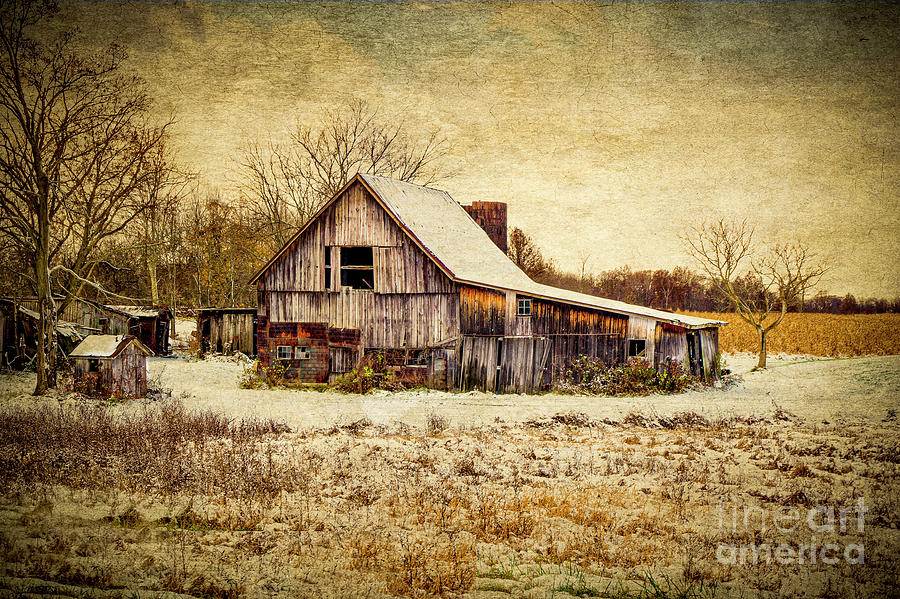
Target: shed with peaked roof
{"x":411,"y":270}
{"x":115,"y":364}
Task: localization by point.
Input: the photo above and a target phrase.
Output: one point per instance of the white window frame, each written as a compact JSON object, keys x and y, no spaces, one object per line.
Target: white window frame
{"x":523,"y":307}
{"x":278,"y":352}
{"x":301,"y":352}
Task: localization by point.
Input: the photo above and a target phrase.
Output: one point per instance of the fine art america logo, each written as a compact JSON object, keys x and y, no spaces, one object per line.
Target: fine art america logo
{"x":822,"y":519}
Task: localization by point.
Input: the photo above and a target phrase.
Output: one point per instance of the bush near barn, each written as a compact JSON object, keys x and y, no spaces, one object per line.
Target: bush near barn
{"x":833,"y":335}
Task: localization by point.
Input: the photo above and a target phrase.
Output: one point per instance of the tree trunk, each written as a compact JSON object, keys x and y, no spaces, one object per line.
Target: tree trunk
{"x":154,"y":285}
{"x":761,"y":364}
{"x":46,"y":337}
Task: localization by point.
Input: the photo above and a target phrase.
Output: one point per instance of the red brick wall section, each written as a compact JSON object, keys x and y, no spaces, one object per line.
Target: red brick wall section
{"x":317,"y":336}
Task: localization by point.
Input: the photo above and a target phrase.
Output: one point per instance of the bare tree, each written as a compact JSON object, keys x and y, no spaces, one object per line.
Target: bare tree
{"x":285,"y":184}
{"x":70,"y":148}
{"x":526,"y":255}
{"x":160,"y":194}
{"x":761,"y":286}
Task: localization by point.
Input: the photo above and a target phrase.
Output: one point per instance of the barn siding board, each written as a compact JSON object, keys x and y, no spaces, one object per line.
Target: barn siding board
{"x":482,"y":311}
{"x":224,"y":330}
{"x":671,"y":343}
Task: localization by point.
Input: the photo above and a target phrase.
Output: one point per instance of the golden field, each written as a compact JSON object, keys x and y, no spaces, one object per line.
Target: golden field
{"x":833,"y":335}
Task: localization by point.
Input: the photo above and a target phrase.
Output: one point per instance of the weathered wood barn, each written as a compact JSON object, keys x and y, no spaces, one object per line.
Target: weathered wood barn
{"x":118,"y":364}
{"x":227,"y":330}
{"x":411,"y":271}
{"x":150,"y":324}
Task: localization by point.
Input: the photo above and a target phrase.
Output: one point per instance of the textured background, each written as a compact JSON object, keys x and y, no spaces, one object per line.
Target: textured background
{"x":608,"y":128}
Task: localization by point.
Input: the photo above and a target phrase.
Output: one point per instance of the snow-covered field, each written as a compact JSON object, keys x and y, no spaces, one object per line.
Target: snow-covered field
{"x":816,"y":389}
{"x":485,"y":495}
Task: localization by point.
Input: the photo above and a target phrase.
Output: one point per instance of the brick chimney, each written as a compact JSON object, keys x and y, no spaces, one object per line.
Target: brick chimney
{"x":490,"y":216}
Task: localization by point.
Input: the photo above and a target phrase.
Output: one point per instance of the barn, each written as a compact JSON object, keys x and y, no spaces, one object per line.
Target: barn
{"x":409,"y":272}
{"x":118,"y":363}
{"x":227,"y":330}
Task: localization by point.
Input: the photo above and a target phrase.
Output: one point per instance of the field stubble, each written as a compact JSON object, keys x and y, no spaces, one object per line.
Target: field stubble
{"x":564,"y":504}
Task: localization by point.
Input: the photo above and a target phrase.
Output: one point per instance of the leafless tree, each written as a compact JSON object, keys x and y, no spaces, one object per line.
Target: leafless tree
{"x":285,"y":184}
{"x":160,"y":194}
{"x":526,"y":255}
{"x":760,"y":285}
{"x":71,"y":148}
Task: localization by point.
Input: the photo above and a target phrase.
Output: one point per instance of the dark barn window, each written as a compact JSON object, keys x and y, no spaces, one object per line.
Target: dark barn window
{"x":357,"y":268}
{"x":283,"y":352}
{"x":636,"y":348}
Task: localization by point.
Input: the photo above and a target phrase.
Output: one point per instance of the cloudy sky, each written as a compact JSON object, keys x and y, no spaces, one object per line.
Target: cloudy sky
{"x":608,"y":128}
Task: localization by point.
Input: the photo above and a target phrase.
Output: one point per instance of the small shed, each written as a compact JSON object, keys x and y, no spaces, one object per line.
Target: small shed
{"x":227,"y":330}
{"x":151,"y":324}
{"x":19,"y":327}
{"x":119,"y":363}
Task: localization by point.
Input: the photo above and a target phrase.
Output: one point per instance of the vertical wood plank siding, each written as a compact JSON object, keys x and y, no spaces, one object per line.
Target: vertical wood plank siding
{"x":390,"y":321}
{"x":414,"y":304}
{"x":482,"y":311}
{"x":640,"y":327}
{"x":227,"y":327}
{"x":671,"y":342}
{"x":709,"y":342}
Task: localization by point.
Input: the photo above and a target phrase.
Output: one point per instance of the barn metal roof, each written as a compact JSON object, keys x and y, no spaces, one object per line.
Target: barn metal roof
{"x":445,"y":231}
{"x":105,"y":346}
{"x":137,"y":311}
{"x":69,"y":329}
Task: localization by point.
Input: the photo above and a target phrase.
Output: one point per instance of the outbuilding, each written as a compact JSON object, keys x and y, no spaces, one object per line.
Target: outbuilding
{"x":227,"y":330}
{"x":113,"y":363}
{"x":151,"y":324}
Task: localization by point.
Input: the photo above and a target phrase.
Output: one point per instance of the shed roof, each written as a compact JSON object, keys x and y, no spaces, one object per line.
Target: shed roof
{"x":106,"y":346}
{"x":445,"y":231}
{"x":69,"y":329}
{"x":139,"y":311}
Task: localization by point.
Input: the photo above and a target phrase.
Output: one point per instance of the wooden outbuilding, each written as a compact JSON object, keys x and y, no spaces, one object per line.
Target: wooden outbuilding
{"x":19,"y":328}
{"x":150,"y":324}
{"x":117,"y":363}
{"x":227,"y":330}
{"x":412,"y":272}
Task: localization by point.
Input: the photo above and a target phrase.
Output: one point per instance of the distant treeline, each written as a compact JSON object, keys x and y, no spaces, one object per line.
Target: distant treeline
{"x":680,"y":289}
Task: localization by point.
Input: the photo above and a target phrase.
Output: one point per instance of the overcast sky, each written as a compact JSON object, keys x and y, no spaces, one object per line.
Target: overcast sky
{"x":607,"y":128}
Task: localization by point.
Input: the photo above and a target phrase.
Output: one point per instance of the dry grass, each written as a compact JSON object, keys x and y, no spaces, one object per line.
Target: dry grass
{"x":815,"y":334}
{"x":214,"y":508}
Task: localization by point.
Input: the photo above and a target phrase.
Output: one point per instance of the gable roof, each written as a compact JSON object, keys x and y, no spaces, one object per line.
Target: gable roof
{"x":440,"y":226}
{"x":106,"y":346}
